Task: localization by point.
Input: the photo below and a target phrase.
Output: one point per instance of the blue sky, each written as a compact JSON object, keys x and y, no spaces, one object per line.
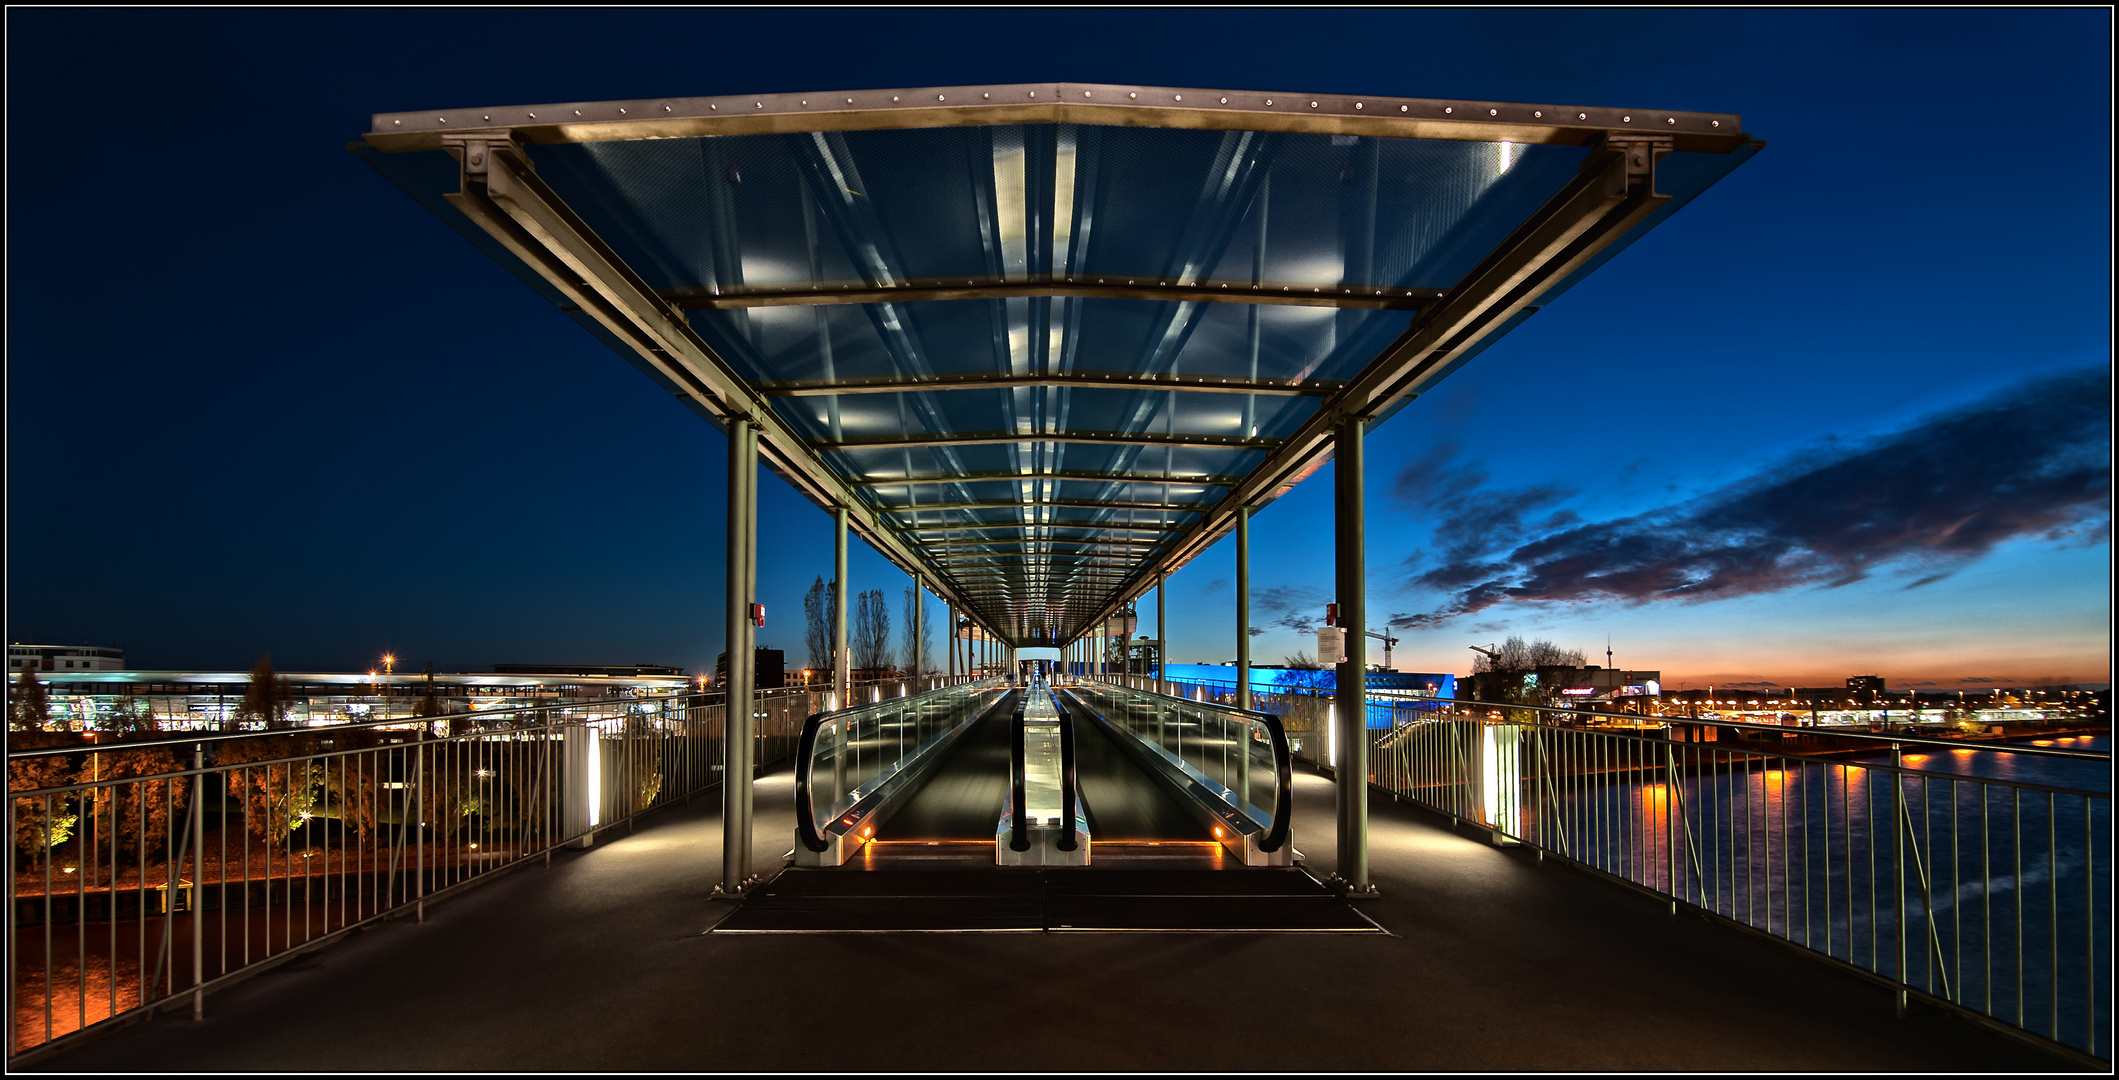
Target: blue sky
{"x":259,"y":401}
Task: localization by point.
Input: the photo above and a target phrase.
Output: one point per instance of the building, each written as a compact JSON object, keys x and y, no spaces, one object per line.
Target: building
{"x":1590,"y":684}
{"x":771,"y":669}
{"x":623,"y":671}
{"x":179,"y":700}
{"x":1865,"y":689}
{"x":63,"y":657}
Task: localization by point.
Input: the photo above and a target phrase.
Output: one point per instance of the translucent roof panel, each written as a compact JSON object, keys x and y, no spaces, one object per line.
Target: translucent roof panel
{"x":1043,"y":341}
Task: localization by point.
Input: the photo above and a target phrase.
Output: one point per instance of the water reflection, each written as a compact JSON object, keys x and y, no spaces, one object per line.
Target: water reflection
{"x":1986,"y":859}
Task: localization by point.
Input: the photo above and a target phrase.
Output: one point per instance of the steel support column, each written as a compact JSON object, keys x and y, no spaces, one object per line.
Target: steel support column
{"x":1243,"y":607}
{"x":736,"y":737}
{"x":1351,"y":699}
{"x":841,"y":662}
{"x":1162,"y":636}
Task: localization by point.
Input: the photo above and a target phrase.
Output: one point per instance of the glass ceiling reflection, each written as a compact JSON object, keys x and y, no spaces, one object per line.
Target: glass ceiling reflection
{"x":994,"y":459}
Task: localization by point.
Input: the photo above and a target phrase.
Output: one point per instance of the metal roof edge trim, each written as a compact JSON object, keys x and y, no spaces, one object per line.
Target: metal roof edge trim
{"x":1048,"y":103}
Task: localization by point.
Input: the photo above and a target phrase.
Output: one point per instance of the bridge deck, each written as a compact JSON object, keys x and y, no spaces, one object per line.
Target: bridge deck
{"x":601,"y":963}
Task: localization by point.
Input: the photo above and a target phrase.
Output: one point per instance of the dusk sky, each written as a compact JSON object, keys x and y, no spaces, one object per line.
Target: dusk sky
{"x":1849,"y":411}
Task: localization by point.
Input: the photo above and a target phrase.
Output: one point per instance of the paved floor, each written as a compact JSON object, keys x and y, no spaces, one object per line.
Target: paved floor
{"x":600,"y":963}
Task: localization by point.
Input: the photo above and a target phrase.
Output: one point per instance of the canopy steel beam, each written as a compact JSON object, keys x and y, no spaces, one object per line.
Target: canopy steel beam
{"x":1290,"y":294}
{"x":910,"y":508}
{"x":1165,"y":527}
{"x":1055,"y":103}
{"x":1024,"y":541}
{"x":1005,"y":438}
{"x":1087,"y":477}
{"x":1109,"y":380}
{"x":500,"y":193}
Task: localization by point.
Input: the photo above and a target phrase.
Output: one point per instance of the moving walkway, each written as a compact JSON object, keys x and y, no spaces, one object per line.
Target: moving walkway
{"x":1042,"y":773}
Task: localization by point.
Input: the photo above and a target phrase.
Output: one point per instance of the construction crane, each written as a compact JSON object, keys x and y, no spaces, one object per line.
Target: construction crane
{"x":1388,"y":641}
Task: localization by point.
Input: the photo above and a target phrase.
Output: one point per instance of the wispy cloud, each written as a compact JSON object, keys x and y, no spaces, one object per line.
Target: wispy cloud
{"x":1924,"y":502}
{"x":1291,"y":607}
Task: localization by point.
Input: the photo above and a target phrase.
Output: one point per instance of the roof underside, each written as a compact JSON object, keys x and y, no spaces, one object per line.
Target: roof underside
{"x":1043,"y":342}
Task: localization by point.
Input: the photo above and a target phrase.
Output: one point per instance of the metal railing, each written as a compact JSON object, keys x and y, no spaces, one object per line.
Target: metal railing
{"x":150,"y":872}
{"x":1962,"y":874}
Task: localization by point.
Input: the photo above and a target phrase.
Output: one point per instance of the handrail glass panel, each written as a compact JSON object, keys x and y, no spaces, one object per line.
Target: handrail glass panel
{"x":849,"y":755}
{"x":1241,"y":756}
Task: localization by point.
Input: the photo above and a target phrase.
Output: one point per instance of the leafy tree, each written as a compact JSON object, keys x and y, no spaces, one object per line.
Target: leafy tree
{"x":27,"y":707}
{"x":130,"y":718}
{"x":138,"y":816}
{"x":269,"y":697}
{"x":42,"y":823}
{"x":279,"y":798}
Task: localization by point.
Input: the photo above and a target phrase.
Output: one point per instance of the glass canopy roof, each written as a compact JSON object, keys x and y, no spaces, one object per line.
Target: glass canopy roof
{"x":1043,"y":341}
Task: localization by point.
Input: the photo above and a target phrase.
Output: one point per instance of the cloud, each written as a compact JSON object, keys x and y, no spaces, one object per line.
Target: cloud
{"x":1292,"y":607}
{"x":1753,"y":685}
{"x":1216,"y":585}
{"x":2032,"y":462}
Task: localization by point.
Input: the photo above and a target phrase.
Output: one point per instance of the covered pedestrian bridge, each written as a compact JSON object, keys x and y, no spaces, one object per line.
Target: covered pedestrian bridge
{"x":1041,"y":346}
{"x":1044,"y":344}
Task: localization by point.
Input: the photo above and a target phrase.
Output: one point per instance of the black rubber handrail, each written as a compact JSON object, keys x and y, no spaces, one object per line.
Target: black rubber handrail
{"x":1284,"y":774}
{"x":805,"y":762}
{"x":1070,"y":837}
{"x":1020,"y":841}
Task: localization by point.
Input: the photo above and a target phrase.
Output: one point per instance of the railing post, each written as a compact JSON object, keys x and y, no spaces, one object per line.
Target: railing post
{"x":1898,"y":873}
{"x":1243,"y":607}
{"x":198,"y":882}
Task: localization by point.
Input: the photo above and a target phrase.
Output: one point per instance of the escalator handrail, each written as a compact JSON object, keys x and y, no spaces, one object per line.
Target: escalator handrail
{"x":1020,"y":839}
{"x":1284,"y":781}
{"x":1070,"y":837}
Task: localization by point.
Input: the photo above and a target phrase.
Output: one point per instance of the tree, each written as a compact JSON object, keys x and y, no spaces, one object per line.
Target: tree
{"x":1508,"y":674}
{"x":1303,"y":673}
{"x":269,"y":697}
{"x":820,"y":611}
{"x":28,"y":709}
{"x":1517,"y":655}
{"x":919,"y":653}
{"x":871,"y":631}
{"x":42,"y":822}
{"x":131,"y":718}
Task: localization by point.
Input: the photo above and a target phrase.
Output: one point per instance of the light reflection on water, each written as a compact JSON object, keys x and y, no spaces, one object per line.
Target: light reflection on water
{"x":2005,"y":910}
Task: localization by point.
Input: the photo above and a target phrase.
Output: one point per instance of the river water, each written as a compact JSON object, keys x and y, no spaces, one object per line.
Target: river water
{"x":2004,"y":858}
